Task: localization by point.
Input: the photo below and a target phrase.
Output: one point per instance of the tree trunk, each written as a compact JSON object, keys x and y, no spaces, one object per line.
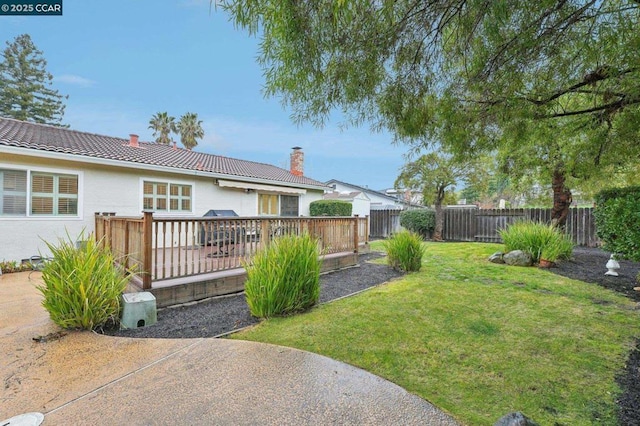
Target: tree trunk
{"x":437,"y":231}
{"x":561,"y":198}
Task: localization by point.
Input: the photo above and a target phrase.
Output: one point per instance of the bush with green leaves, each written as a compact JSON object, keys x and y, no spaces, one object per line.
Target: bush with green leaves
{"x":617,"y":215}
{"x":284,"y":277}
{"x":330,"y":208}
{"x":9,"y":266}
{"x":558,"y":247}
{"x":82,"y":286}
{"x":537,"y":239}
{"x":419,"y":221}
{"x":405,"y":251}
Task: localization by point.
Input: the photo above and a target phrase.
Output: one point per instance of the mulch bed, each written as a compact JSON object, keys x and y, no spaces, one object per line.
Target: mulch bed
{"x":222,"y":315}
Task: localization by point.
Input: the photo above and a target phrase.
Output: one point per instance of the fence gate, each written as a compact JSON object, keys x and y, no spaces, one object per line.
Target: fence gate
{"x":383,"y":223}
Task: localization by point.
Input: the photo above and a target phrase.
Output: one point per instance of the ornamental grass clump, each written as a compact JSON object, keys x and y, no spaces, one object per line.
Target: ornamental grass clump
{"x":284,"y":277}
{"x":405,"y":251}
{"x":82,"y":286}
{"x":537,"y":239}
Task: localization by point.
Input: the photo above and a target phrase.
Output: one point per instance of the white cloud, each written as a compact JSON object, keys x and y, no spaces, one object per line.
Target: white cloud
{"x":75,"y":80}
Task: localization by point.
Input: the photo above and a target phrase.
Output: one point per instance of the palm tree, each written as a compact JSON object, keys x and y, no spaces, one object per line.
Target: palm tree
{"x":190,"y":129}
{"x":162,"y":125}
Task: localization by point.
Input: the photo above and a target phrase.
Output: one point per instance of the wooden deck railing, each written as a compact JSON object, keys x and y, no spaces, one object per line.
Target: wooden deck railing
{"x":159,"y":249}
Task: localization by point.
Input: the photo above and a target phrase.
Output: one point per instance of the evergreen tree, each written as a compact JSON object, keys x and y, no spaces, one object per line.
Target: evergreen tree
{"x":190,"y":129}
{"x":163,"y":125}
{"x":25,"y":85}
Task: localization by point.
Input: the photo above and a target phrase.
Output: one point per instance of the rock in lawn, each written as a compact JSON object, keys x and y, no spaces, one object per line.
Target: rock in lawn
{"x":515,"y":419}
{"x":496,"y":257}
{"x":518,"y":258}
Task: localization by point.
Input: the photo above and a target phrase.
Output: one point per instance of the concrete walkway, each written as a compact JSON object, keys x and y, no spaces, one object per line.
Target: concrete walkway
{"x":83,"y":378}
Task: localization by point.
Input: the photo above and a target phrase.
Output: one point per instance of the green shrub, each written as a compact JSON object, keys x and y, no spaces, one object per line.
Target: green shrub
{"x":330,"y":208}
{"x":82,"y":286}
{"x":617,"y":215}
{"x":536,"y":239}
{"x":419,"y":221}
{"x":284,"y":277}
{"x":405,"y":251}
{"x":557,"y":248}
{"x":9,"y":266}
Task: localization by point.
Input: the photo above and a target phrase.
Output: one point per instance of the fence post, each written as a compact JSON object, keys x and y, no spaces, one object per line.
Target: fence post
{"x":367,"y":229}
{"x":356,"y":224}
{"x":147,"y":249}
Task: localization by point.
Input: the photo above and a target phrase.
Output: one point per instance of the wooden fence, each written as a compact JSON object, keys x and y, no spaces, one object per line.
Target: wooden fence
{"x":384,"y":223}
{"x":472,"y":224}
{"x":159,"y":249}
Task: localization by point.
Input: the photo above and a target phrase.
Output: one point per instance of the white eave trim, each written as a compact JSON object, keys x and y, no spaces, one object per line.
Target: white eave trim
{"x":258,"y":187}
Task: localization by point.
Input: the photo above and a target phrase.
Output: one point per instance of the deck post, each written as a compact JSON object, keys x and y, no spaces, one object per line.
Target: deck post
{"x":265,"y":225}
{"x":97,"y":224}
{"x":126,"y":244}
{"x":147,"y":249}
{"x":108,"y":237}
{"x":356,"y":225}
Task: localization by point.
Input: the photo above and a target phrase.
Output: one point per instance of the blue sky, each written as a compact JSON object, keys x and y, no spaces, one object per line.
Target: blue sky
{"x":121,"y":61}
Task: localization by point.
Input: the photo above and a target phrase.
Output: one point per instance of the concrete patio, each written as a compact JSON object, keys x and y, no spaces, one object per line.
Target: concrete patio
{"x":87,"y":378}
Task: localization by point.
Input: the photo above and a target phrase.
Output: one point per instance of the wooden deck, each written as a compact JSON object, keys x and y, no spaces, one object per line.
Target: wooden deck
{"x":168,"y":263}
{"x":183,"y":260}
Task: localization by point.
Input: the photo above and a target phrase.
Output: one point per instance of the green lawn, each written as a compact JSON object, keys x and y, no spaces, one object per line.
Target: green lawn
{"x":477,"y":339}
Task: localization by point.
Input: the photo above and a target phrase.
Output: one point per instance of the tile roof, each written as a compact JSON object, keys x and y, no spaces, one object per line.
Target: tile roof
{"x":48,"y":138}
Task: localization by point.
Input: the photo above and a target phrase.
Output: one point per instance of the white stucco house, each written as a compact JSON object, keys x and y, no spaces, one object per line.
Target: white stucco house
{"x":361,"y":204}
{"x":377,"y":200}
{"x":53,"y":180}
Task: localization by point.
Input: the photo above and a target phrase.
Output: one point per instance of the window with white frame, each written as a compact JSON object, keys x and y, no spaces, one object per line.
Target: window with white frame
{"x":167,"y":197}
{"x":274,"y":204}
{"x":13,"y":188}
{"x":34,"y":193}
{"x":54,"y":194}
{"x":268,"y":204}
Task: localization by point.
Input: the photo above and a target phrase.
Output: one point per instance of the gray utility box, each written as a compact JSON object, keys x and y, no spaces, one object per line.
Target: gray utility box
{"x":138,"y":310}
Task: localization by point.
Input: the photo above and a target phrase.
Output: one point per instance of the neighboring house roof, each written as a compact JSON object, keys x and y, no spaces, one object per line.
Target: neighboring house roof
{"x":362,"y":189}
{"x":387,"y":207}
{"x":414,"y":196}
{"x":392,"y":199}
{"x":344,"y":195}
{"x":82,"y":146}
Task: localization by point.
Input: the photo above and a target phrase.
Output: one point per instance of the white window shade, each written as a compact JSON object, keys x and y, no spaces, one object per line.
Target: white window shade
{"x":260,"y":187}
